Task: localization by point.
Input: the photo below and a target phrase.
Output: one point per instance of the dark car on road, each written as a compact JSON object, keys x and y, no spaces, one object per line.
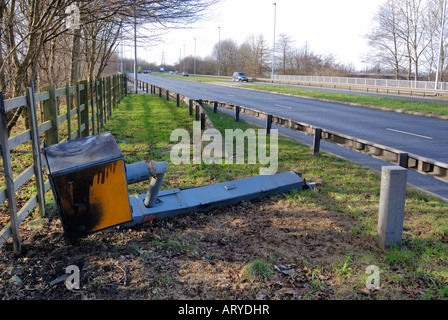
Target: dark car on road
{"x":240,"y":76}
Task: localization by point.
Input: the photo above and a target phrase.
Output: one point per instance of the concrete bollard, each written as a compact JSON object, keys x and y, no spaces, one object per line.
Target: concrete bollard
{"x":392,"y":203}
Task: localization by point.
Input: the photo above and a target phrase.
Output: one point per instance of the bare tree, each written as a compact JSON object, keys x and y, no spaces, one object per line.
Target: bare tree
{"x":384,"y":38}
{"x":36,"y":44}
{"x":406,"y":36}
{"x":433,"y":23}
{"x":284,"y":51}
{"x":413,"y":12}
{"x":253,"y":55}
{"x":226,"y":53}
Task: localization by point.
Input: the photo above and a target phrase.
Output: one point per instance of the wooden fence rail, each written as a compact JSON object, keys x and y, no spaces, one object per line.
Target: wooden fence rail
{"x":88,"y":106}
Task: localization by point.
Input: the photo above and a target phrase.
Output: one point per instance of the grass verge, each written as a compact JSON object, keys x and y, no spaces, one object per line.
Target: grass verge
{"x":308,"y":244}
{"x":345,"y":189}
{"x":366,"y":100}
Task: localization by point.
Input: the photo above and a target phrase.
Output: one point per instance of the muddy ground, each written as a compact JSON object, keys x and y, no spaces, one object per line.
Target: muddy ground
{"x":197,"y":256}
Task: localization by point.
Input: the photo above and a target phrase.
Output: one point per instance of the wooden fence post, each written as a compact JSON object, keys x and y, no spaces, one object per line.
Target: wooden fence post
{"x":84,"y":100}
{"x":69,"y":108}
{"x":100,"y":102}
{"x":125,"y":86}
{"x":9,"y":178}
{"x":109,"y":96}
{"x":103,"y":99}
{"x":78,"y":106}
{"x":35,"y":144}
{"x":92,"y":106}
{"x":51,"y":113}
{"x":114,"y":90}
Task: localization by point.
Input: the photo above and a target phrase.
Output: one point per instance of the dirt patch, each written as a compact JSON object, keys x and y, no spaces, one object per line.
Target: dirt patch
{"x":197,"y":256}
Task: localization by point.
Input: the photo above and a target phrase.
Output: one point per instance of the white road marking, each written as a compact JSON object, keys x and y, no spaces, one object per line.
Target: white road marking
{"x":410,"y":133}
{"x":231,"y":95}
{"x":281,"y":106}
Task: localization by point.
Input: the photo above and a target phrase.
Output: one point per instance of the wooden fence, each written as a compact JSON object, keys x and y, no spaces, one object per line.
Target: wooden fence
{"x":87,"y":107}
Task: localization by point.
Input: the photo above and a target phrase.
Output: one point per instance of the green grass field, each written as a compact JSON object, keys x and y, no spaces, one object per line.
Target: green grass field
{"x":417,"y":270}
{"x":402,"y":104}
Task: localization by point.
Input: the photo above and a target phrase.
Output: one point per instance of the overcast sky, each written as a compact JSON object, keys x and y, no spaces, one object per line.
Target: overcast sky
{"x":328,"y":26}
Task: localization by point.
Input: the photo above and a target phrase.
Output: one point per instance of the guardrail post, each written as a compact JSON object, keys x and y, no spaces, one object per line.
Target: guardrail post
{"x":403,"y":160}
{"x":197,"y":115}
{"x":268,"y":124}
{"x":190,"y":106}
{"x":237,"y":113}
{"x":167,"y":95}
{"x":202,"y":121}
{"x":9,"y":179}
{"x":215,"y":107}
{"x":392,"y":203}
{"x":177,"y":100}
{"x":316,"y":141}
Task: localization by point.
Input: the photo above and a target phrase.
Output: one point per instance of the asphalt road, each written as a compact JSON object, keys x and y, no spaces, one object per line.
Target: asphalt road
{"x":427,"y":137}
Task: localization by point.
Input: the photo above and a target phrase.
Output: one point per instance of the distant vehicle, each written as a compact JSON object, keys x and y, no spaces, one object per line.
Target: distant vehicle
{"x":172,"y":73}
{"x":240,"y":76}
{"x":162,"y":69}
{"x":185,"y":74}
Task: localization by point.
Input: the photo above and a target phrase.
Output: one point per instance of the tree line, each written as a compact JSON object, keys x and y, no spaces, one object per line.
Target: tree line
{"x":254,"y":57}
{"x":406,"y":39}
{"x":52,"y":41}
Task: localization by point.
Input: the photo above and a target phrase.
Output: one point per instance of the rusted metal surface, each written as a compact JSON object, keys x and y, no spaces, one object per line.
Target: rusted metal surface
{"x":89,"y":184}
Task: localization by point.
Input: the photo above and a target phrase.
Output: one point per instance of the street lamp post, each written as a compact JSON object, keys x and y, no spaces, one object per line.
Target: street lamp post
{"x":219,"y":49}
{"x":441,"y":47}
{"x":194,"y":71}
{"x":135,"y":55}
{"x":273,"y":46}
